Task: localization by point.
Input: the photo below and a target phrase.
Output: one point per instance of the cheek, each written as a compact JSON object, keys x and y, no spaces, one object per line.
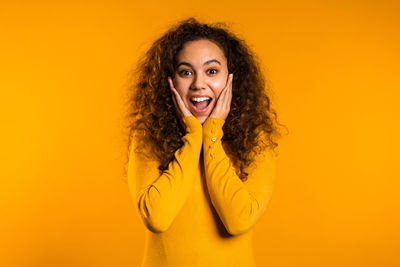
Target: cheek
{"x":181,"y":87}
{"x":218,"y":86}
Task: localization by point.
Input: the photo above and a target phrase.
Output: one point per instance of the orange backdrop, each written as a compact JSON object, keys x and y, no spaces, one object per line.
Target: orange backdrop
{"x":334,"y":69}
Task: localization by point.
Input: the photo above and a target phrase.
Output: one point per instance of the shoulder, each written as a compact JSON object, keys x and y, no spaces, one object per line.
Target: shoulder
{"x":263,"y":155}
{"x":140,"y":149}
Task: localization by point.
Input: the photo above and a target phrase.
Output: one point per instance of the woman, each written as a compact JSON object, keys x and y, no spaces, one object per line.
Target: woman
{"x":201,"y":166}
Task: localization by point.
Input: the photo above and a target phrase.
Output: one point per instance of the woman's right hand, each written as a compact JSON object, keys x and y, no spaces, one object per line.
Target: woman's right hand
{"x":178,"y":102}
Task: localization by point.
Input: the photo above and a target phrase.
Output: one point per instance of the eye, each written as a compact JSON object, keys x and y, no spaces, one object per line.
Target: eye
{"x":185,"y":72}
{"x":212,"y":71}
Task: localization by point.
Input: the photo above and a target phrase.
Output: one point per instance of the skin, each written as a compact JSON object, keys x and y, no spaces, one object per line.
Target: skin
{"x":202,"y":69}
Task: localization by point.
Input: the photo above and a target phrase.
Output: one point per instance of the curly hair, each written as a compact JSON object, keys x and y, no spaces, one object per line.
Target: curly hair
{"x":154,"y":123}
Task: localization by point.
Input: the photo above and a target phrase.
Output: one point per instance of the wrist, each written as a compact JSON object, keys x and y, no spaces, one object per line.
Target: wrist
{"x":192,"y":125}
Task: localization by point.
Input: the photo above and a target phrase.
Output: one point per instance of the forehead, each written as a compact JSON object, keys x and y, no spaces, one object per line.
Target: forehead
{"x":200,"y":50}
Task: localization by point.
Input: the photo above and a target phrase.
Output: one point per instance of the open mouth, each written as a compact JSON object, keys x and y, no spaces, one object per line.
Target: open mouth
{"x":200,"y":105}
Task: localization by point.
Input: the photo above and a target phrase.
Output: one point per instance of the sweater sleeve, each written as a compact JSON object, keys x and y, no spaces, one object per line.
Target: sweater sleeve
{"x":159,"y":198}
{"x":239,"y":204}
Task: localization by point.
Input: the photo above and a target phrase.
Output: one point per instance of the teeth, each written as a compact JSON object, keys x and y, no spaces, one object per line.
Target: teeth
{"x":199,"y":99}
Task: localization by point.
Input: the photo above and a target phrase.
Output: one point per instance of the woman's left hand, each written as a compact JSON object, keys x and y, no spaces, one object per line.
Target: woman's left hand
{"x":223,"y":106}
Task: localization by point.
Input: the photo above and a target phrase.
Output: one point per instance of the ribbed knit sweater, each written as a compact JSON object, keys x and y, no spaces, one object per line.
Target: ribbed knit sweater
{"x":198,"y":212}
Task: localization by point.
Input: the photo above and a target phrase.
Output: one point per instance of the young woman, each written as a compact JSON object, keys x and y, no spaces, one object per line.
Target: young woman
{"x":201,"y":165}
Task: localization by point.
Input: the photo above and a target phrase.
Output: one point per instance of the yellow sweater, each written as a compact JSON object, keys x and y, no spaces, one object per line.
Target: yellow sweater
{"x":198,"y":212}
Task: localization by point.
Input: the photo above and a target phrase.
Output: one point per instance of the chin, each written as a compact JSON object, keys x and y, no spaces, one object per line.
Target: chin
{"x":201,"y":119}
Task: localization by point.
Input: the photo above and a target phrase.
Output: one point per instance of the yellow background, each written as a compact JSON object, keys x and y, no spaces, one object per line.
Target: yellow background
{"x":334,"y":69}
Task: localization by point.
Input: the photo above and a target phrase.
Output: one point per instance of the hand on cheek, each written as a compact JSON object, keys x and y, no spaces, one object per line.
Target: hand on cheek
{"x":223,"y":105}
{"x":178,"y":102}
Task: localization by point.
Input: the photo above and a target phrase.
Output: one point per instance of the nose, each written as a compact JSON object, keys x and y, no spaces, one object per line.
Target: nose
{"x":199,"y":82}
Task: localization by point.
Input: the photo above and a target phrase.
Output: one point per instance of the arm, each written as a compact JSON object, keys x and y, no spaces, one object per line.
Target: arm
{"x":238,"y":204}
{"x":159,"y":198}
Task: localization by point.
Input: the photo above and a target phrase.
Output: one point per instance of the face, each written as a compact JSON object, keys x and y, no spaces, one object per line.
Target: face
{"x":201,"y":73}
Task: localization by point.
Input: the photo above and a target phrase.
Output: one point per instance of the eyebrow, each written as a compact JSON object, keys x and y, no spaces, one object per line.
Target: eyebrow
{"x":205,"y":63}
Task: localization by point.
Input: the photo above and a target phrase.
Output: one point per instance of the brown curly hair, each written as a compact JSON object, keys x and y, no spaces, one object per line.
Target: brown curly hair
{"x":153,"y":120}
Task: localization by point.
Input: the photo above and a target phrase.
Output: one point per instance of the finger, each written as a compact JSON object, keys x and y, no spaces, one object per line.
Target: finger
{"x":220,"y":100}
{"x":184,"y":111}
{"x":174,"y":100}
{"x":174,"y":96}
{"x":225,"y":93}
{"x":177,"y":108}
{"x":227,"y":99}
{"x":230,"y":92}
{"x":177,"y":96}
{"x":229,"y":81}
{"x":171,"y":84}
